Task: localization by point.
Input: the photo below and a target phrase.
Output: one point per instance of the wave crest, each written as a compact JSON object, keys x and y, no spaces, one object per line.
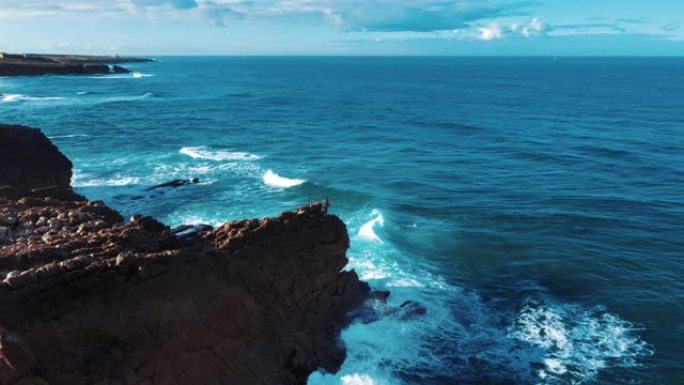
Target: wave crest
{"x":275,"y":180}
{"x":138,"y":75}
{"x":204,"y":153}
{"x":10,"y":98}
{"x":119,"y":180}
{"x":367,"y":231}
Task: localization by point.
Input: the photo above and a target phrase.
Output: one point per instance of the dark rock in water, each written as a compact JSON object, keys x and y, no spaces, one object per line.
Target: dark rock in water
{"x":119,"y":70}
{"x":376,"y":308}
{"x":175,"y":183}
{"x":379,"y":295}
{"x":32,"y":166}
{"x":410,"y":310}
{"x":88,"y":299}
{"x":190,"y":231}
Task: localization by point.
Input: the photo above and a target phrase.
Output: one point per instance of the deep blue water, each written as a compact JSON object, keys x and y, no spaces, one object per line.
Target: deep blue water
{"x":535,"y":207}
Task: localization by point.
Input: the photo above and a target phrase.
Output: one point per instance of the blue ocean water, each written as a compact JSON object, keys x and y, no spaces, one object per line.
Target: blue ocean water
{"x":533,"y":206}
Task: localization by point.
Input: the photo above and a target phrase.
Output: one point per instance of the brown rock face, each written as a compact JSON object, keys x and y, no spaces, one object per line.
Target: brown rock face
{"x":88,"y":299}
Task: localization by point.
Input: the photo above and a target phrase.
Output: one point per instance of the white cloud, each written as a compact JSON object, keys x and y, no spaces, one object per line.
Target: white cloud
{"x":533,"y":27}
{"x":393,"y":19}
{"x":363,"y":15}
{"x":491,"y":32}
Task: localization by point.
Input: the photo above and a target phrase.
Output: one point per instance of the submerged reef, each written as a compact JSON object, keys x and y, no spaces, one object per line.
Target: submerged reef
{"x":88,"y":298}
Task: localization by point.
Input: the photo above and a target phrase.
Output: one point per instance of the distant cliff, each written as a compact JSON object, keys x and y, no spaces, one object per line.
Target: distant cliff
{"x":34,"y":64}
{"x":86,"y":298}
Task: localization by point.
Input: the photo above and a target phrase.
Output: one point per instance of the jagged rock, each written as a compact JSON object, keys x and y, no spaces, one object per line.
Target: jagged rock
{"x":119,"y":70}
{"x":410,"y":310}
{"x":258,"y":301}
{"x":32,"y":166}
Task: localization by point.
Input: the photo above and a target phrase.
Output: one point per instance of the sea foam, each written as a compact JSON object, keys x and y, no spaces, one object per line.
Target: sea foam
{"x":577,"y":343}
{"x":81,"y":179}
{"x":216,"y":155}
{"x":10,"y":98}
{"x":137,"y":75}
{"x":463,"y":337}
{"x":367,"y":231}
{"x":274,"y":180}
{"x":68,"y":136}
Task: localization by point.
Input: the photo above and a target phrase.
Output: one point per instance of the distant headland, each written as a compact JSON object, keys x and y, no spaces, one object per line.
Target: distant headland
{"x":45,"y":64}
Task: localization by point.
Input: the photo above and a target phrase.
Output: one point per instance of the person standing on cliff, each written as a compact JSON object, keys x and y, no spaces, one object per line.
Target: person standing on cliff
{"x":326,"y":205}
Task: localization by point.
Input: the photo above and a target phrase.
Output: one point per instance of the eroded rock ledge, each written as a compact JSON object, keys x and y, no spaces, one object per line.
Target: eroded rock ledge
{"x":88,"y":299}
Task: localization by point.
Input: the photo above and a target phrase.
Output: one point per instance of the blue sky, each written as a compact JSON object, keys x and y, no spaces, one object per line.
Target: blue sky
{"x":344,"y":27}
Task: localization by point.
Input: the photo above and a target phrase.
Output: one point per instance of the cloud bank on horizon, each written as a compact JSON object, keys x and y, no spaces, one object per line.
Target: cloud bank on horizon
{"x":507,"y":27}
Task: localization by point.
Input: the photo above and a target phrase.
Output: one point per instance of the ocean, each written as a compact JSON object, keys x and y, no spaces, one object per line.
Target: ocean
{"x":533,"y":206}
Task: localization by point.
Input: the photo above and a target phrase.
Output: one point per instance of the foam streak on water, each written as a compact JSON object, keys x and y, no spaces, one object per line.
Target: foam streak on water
{"x":272,"y":179}
{"x":216,"y":155}
{"x":11,"y":98}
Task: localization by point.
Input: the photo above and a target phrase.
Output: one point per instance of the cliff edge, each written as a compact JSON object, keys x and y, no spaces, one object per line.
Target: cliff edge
{"x":35,"y":64}
{"x":88,"y":299}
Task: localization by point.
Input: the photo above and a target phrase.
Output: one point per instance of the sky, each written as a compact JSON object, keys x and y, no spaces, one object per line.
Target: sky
{"x":345,"y":27}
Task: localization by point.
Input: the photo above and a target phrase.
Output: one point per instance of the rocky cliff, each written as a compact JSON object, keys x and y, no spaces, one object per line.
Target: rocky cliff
{"x":32,"y":64}
{"x":88,"y":299}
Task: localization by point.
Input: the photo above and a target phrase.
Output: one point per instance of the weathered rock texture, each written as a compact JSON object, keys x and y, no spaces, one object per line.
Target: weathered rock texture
{"x":88,"y":299}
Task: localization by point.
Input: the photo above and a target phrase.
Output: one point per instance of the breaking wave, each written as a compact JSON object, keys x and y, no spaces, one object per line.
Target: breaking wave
{"x":217,"y":155}
{"x":367,"y":231}
{"x":137,"y":75}
{"x":274,"y":180}
{"x":463,"y":338}
{"x":577,"y":343}
{"x":83,"y":180}
{"x":68,"y":136}
{"x":11,"y":98}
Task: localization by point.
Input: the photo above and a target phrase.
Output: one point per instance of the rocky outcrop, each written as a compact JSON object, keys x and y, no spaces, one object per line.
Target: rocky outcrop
{"x":88,"y":299}
{"x":30,"y":165}
{"x":32,"y":64}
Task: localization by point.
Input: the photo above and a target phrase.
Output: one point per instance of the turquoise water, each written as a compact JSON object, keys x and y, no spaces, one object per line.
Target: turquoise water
{"x":534,"y":207}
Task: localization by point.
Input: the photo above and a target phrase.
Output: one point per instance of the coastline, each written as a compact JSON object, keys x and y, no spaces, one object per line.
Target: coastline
{"x":40,"y":64}
{"x":87,"y":298}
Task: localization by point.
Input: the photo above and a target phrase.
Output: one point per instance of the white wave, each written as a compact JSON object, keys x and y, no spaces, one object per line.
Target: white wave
{"x":463,"y":337}
{"x":577,"y":343}
{"x":367,"y":231}
{"x":68,"y":136}
{"x":10,"y":98}
{"x":190,"y":217}
{"x":83,"y":93}
{"x":112,"y":99}
{"x":358,"y":379}
{"x":182,"y":171}
{"x":194,"y":220}
{"x":84,"y":180}
{"x":204,"y":153}
{"x":14,"y":98}
{"x":138,"y":75}
{"x":275,"y":180}
{"x":132,"y":75}
{"x":405,"y":282}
